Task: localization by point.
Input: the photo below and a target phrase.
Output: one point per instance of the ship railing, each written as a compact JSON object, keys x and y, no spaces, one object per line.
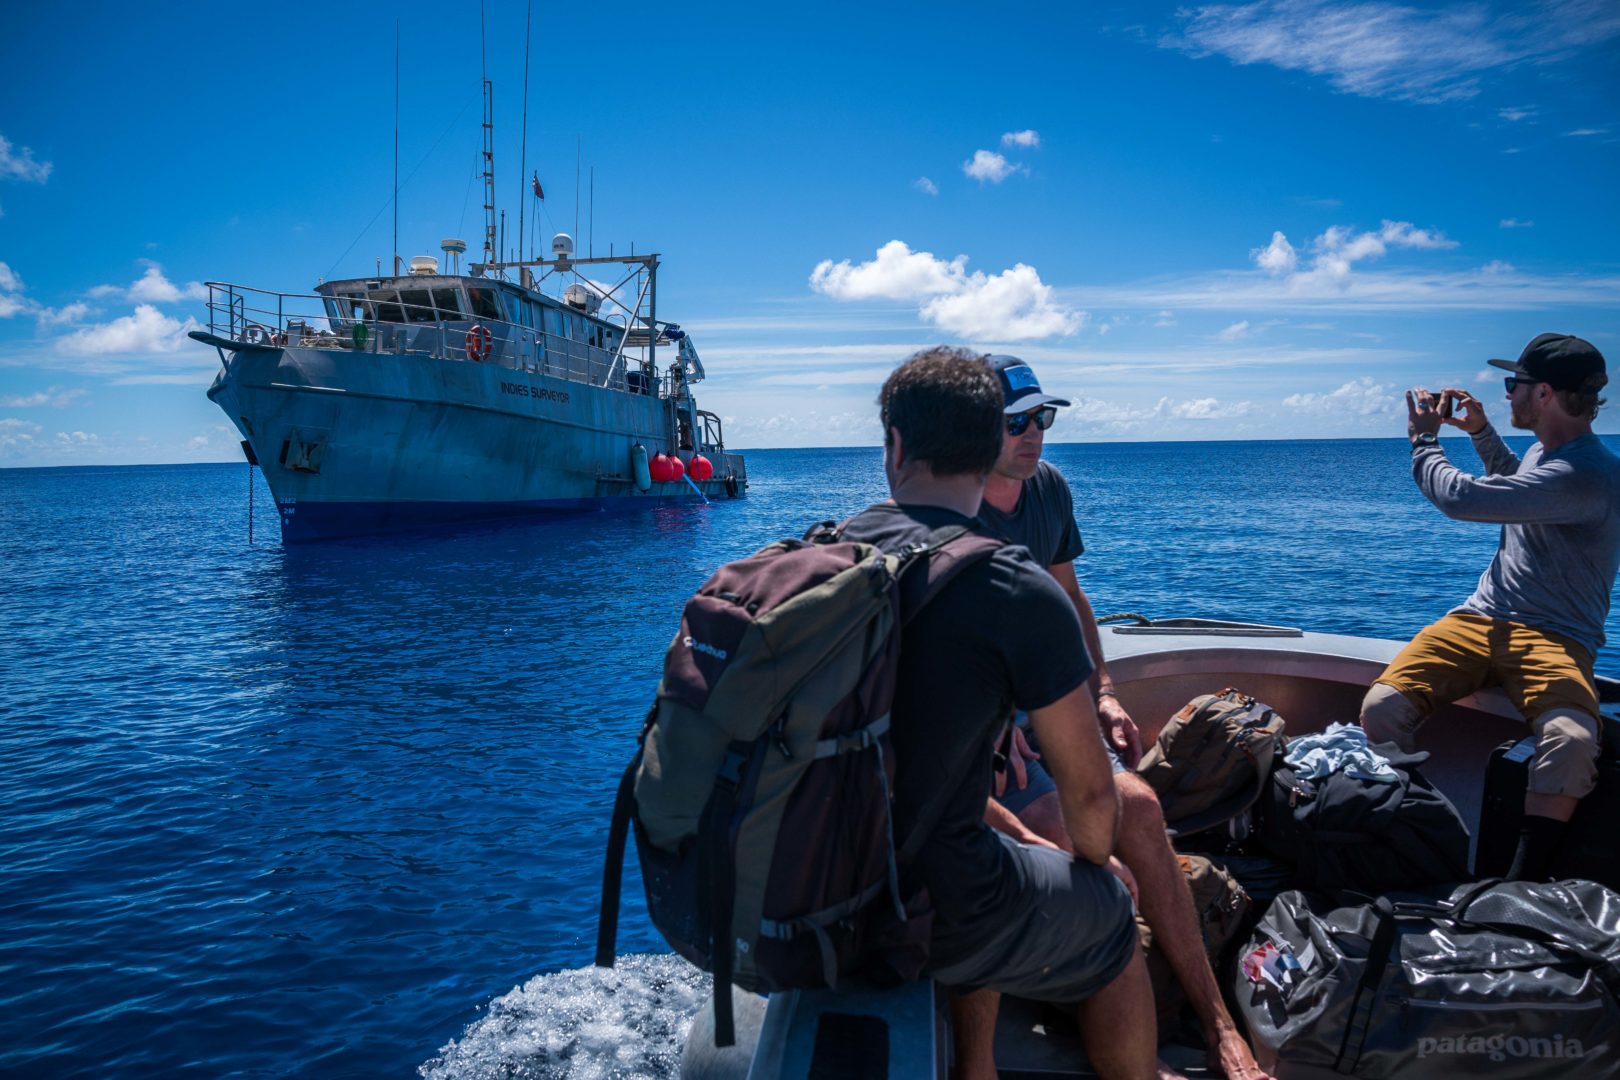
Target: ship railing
{"x":359,"y":324}
{"x":710,"y":436}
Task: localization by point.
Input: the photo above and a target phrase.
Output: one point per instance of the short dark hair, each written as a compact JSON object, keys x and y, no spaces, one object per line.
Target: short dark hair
{"x":946,"y":404}
{"x":1583,"y":404}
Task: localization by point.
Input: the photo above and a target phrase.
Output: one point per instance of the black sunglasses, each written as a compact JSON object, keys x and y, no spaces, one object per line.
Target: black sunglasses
{"x":1513,"y":382}
{"x":1043,"y":417}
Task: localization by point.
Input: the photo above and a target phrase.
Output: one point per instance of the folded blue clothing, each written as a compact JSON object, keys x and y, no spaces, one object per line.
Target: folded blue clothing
{"x":1341,"y":748}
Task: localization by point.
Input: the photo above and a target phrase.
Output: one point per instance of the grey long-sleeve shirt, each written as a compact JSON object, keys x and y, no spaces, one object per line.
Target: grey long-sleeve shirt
{"x":1560,"y":514}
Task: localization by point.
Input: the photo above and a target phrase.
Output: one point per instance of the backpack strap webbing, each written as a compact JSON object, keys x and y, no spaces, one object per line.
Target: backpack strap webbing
{"x":947,"y":552}
{"x":717,"y":884}
{"x":607,"y":921}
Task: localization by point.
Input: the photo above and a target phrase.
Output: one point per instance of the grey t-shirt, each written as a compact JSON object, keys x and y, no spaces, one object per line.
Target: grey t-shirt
{"x":1560,"y":514}
{"x":1043,"y":520}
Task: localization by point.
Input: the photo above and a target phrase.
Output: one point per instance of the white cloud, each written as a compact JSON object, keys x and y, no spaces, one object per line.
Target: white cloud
{"x":1514,"y":223}
{"x":66,"y":315}
{"x":152,"y":288}
{"x":1014,"y":305}
{"x":925,"y":185}
{"x":897,"y":273}
{"x":1377,"y":48}
{"x":1339,"y":247}
{"x":1201,"y":409}
{"x":77,"y":440}
{"x":1358,"y":397}
{"x":989,"y":165}
{"x":9,"y":281}
{"x":11,"y":305}
{"x":55,"y":397}
{"x":1029,"y":139}
{"x":19,"y":164}
{"x":1514,"y":115}
{"x":146,"y":331}
{"x":1584,"y":132}
{"x":1277,"y":257}
{"x":1236,"y":332}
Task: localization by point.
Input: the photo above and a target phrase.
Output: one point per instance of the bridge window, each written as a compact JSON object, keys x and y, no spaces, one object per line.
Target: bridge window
{"x":448,"y":301}
{"x":483,"y":303}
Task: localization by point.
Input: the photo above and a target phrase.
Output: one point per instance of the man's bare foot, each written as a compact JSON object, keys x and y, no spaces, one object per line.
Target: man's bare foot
{"x":1232,"y":1057}
{"x":1167,"y":1073}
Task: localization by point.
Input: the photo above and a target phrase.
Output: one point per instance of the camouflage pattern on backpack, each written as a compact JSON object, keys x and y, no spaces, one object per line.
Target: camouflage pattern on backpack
{"x":1225,"y":914}
{"x":1212,"y":760}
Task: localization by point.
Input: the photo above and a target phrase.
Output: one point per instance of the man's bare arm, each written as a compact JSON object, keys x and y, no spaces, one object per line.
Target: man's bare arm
{"x":1072,"y":748}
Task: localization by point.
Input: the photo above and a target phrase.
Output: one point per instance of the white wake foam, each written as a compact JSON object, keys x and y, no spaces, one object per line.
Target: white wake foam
{"x":587,"y":1024}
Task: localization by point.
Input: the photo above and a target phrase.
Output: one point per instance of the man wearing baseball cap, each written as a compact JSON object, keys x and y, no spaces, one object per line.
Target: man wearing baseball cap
{"x":1535,"y":621}
{"x":1027,"y":500}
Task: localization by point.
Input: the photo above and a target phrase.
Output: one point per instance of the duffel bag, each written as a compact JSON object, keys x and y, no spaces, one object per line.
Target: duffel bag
{"x":1499,"y":979}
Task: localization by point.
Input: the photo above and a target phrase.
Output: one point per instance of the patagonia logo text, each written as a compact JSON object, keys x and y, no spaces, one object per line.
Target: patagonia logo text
{"x":703,"y":647}
{"x":1502,"y":1047}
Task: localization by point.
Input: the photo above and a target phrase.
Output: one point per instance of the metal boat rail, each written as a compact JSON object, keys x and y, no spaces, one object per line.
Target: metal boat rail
{"x":243,"y":316}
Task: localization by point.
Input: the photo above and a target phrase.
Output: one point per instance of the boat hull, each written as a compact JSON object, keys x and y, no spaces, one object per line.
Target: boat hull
{"x":357,"y":443}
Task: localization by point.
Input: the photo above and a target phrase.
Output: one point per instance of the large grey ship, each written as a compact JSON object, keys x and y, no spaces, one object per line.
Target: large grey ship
{"x":423,"y":398}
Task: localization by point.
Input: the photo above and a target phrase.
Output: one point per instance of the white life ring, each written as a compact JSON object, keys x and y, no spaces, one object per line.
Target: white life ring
{"x":254,"y":334}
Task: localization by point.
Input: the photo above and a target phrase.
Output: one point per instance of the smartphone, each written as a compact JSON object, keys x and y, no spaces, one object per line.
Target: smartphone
{"x":1447,"y":402}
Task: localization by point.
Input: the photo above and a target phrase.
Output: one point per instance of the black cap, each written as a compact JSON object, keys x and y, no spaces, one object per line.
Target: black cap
{"x":1020,"y":391}
{"x":1561,"y":361}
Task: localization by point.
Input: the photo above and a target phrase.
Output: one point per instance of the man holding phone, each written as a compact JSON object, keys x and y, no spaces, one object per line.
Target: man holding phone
{"x":1535,"y":621}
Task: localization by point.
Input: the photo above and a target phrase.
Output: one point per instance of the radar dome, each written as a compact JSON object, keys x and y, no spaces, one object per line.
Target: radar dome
{"x":562,"y":245}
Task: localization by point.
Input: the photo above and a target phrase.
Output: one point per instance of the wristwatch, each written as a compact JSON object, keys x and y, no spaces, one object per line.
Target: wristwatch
{"x":1425,"y":438}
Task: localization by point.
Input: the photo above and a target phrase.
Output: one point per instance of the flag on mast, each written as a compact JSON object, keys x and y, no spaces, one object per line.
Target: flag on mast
{"x":539,"y":192}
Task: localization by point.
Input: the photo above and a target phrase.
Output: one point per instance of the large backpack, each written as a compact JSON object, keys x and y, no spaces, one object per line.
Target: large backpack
{"x":761,"y":792}
{"x":1210,"y":762}
{"x":1342,"y":832}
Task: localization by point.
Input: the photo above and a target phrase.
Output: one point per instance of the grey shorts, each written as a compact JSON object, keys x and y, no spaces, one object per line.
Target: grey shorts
{"x":1039,"y":781}
{"x":1068,"y":934}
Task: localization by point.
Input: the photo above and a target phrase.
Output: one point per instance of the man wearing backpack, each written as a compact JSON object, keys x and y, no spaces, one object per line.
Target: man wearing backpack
{"x":1008,"y":917}
{"x":1027,"y":500}
{"x":1535,"y":621}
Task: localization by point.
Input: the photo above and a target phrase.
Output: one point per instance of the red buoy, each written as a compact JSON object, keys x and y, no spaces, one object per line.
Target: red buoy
{"x":659,"y":469}
{"x":701,"y":468}
{"x":676,"y":468}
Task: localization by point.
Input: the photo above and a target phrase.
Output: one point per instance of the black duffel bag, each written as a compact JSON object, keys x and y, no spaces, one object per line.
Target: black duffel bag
{"x":1499,"y":979}
{"x":1342,"y":832}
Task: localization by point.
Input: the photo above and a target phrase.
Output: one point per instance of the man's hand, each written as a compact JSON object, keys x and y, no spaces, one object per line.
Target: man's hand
{"x":1472,"y":418}
{"x":1016,"y":770}
{"x":1119,"y":730}
{"x":1422,"y":413}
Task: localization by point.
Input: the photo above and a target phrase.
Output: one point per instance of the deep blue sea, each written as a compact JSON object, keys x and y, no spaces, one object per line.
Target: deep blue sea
{"x":338,"y":810}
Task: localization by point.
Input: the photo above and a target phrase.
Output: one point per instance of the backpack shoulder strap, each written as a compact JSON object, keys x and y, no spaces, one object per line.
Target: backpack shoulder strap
{"x":946,"y":553}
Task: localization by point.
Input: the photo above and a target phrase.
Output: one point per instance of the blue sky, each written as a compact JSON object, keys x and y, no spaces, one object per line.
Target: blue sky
{"x":1230,"y":221}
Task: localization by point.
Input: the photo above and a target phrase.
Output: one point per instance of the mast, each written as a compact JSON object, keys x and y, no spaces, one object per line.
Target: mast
{"x":491,"y":252}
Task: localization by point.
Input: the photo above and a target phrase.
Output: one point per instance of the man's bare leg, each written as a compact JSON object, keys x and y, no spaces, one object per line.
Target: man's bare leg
{"x":973,"y":1027}
{"x":1117,"y":1024}
{"x":1044,"y":817}
{"x":1167,"y":906}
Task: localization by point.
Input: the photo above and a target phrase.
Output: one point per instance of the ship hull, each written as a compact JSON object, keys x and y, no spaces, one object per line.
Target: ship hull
{"x":357,"y":443}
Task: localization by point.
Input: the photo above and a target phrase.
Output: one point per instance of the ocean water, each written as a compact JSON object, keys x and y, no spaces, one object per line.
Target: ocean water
{"x":338,"y":810}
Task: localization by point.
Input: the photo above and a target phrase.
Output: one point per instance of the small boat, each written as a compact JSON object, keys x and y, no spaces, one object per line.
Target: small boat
{"x":1311,"y":679}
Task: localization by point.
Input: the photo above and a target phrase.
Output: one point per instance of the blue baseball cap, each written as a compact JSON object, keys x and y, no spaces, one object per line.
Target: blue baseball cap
{"x":1020,"y":391}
